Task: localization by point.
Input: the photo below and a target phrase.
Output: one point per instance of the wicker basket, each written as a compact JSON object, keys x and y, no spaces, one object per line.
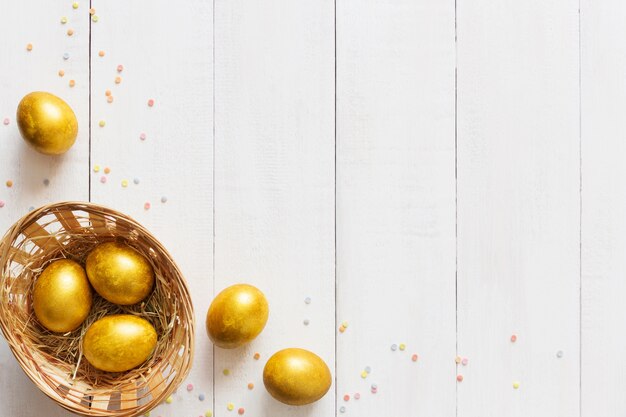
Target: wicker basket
{"x":70,"y":230}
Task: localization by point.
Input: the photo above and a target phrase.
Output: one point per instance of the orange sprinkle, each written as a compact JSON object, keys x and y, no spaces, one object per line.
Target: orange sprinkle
{"x":107,"y":170}
{"x":107,"y":93}
{"x":72,"y":83}
{"x":9,"y":183}
{"x":110,"y":99}
{"x":70,"y":32}
{"x":101,"y":53}
{"x":256,"y":356}
{"x":414,"y":357}
{"x":342,"y":329}
{"x":118,"y":80}
{"x":250,"y":385}
{"x":241,"y":411}
{"x":61,"y":73}
{"x":29,"y":47}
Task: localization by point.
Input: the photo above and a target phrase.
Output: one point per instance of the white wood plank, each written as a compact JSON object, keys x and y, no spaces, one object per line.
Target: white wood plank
{"x":518,"y":207}
{"x":39,"y":23}
{"x":604,"y":203}
{"x":166,"y":51}
{"x":396,"y":206}
{"x":274,"y":185}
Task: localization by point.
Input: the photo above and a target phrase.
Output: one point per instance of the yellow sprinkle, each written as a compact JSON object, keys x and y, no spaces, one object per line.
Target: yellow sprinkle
{"x":75,"y":5}
{"x":63,"y":20}
{"x":515,"y":385}
{"x":96,"y":168}
{"x":169,"y":400}
{"x":124,"y":183}
{"x":209,"y":413}
{"x":94,"y":18}
{"x":147,"y":414}
{"x":226,"y":372}
{"x":345,"y":324}
{"x":230,"y":406}
{"x":363,"y":374}
{"x":402,"y":346}
{"x":102,"y":123}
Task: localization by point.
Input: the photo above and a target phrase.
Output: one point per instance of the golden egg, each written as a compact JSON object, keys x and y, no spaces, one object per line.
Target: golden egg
{"x":47,"y":123}
{"x":236,"y":316}
{"x":62,"y":296}
{"x":296,"y":376}
{"x":119,"y":342}
{"x":119,"y":273}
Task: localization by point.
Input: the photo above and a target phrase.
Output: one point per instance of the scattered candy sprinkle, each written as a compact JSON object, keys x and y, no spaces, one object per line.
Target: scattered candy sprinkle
{"x":189,"y":387}
{"x":241,"y":411}
{"x":135,"y":181}
{"x":464,"y":362}
{"x":146,"y":206}
{"x":120,"y":68}
{"x":1,"y":203}
{"x":513,"y":338}
{"x":342,"y":409}
{"x":70,"y":32}
{"x":164,"y":199}
{"x":6,"y":121}
{"x":169,"y":400}
{"x":342,"y":329}
{"x":357,"y":396}
{"x":75,"y":5}
{"x":306,"y":322}
{"x":345,"y":324}
{"x":374,"y":388}
{"x":414,"y":357}
{"x":402,"y":346}
{"x":394,"y":347}
{"x":94,"y":18}
{"x":103,"y":179}
{"x":226,"y":372}
{"x":346,"y":397}
{"x":9,"y":183}
{"x":63,"y":20}
{"x":29,"y":47}
{"x":459,"y":378}
{"x":368,"y":369}
{"x":559,"y":354}
{"x":457,"y":360}
{"x":31,"y":208}
{"x":201,"y":397}
{"x":256,"y":356}
{"x":107,"y":93}
{"x":46,"y":182}
{"x":101,"y":123}
{"x":118,"y":80}
{"x":363,"y":374}
{"x":307,"y":300}
{"x":100,"y":53}
{"x":124,"y":183}
{"x":61,"y":73}
{"x":110,"y":99}
{"x":209,"y":413}
{"x":92,"y":11}
{"x":250,"y":385}
{"x":72,"y":83}
{"x":230,"y":406}
{"x":151,"y":102}
{"x":515,"y":385}
{"x":142,"y":136}
{"x":66,"y":56}
{"x":107,"y":170}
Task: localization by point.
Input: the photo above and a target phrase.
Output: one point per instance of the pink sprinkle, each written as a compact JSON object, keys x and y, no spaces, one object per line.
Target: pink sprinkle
{"x":414,"y":357}
{"x":513,"y":338}
{"x":346,"y":397}
{"x":464,"y":362}
{"x":357,"y":396}
{"x":120,"y":68}
{"x":151,"y":102}
{"x":1,"y":203}
{"x":142,"y":136}
{"x":103,"y":179}
{"x":6,"y":121}
{"x":459,"y":378}
{"x":146,"y":206}
{"x":189,"y":387}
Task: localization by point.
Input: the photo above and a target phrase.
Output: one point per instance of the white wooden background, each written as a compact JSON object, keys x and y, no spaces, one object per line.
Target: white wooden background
{"x":437,"y":174}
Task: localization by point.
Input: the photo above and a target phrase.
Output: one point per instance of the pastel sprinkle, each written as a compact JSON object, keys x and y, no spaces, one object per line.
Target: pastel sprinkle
{"x":151,"y":102}
{"x":306,"y":322}
{"x":189,"y":387}
{"x":209,"y":413}
{"x":107,"y":170}
{"x":101,"y":53}
{"x":9,"y":183}
{"x":559,"y":354}
{"x":61,"y":73}
{"x":515,"y":385}
{"x":110,"y":99}
{"x":169,"y":400}
{"x":256,"y":356}
{"x":92,"y":11}
{"x":120,"y":68}
{"x":95,"y":18}
{"x":142,"y":136}
{"x":63,"y":20}
{"x":368,"y":369}
{"x":357,"y":396}
{"x":345,"y":324}
{"x":513,"y":338}
{"x":241,"y":411}
{"x":230,"y":406}
{"x":146,"y":206}
{"x":66,"y":56}
{"x":72,"y":83}
{"x":118,"y":80}
{"x":414,"y":357}
{"x":75,"y":5}
{"x":124,"y":183}
{"x":6,"y":121}
{"x":342,"y":409}
{"x":164,"y":199}
{"x":459,"y":378}
{"x":464,"y":361}
{"x":226,"y":372}
{"x":363,"y":374}
{"x":457,"y":360}
{"x":346,"y":397}
{"x":103,"y":179}
{"x":1,"y":203}
{"x":342,"y":329}
{"x":402,"y":346}
{"x":101,"y":123}
{"x":70,"y":32}
{"x":107,"y":93}
{"x":307,"y":300}
{"x":394,"y":347}
{"x":31,"y":208}
{"x":135,"y":181}
{"x":201,"y":397}
{"x":250,"y":385}
{"x":29,"y":47}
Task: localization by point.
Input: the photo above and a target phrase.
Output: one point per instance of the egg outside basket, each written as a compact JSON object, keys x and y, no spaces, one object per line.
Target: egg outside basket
{"x":54,"y":362}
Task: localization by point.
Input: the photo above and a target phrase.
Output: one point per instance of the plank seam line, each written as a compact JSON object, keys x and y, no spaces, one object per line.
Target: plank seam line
{"x":335,"y":197}
{"x":580,"y":217}
{"x":456,"y":209}
{"x":213,"y":193}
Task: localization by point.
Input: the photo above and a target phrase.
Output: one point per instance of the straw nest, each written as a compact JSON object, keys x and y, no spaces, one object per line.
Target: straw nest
{"x":54,"y":362}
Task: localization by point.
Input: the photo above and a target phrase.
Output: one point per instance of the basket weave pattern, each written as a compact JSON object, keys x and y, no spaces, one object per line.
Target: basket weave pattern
{"x":71,"y":230}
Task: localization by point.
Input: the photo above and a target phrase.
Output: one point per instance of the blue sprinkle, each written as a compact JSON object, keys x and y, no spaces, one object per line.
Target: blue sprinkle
{"x":368,"y":369}
{"x":66,"y":56}
{"x":201,"y":397}
{"x":342,"y":409}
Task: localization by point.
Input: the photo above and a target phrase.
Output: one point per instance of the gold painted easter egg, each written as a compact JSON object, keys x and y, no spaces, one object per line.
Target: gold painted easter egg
{"x":62,"y":296}
{"x":236,"y":316}
{"x":119,"y":273}
{"x":119,"y":343}
{"x":296,"y":376}
{"x":47,"y":123}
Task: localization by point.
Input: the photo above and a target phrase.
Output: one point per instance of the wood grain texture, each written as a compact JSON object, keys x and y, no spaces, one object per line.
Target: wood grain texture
{"x":396,"y":206}
{"x":21,"y":72}
{"x":274,"y":185}
{"x":603,"y":98}
{"x":518,"y":207}
{"x":166,"y":53}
